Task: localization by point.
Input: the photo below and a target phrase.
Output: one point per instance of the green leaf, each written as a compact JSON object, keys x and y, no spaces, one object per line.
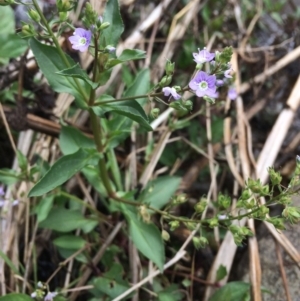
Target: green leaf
{"x":7,"y":20}
{"x":146,"y":237}
{"x":61,"y":171}
{"x":22,"y":161}
{"x":15,"y":297}
{"x":43,"y":208}
{"x":77,"y":72}
{"x":140,"y":86}
{"x":9,"y":263}
{"x":112,"y":284}
{"x":9,"y":176}
{"x":232,"y":291}
{"x":64,"y":220}
{"x":12,"y":45}
{"x":126,"y":55}
{"x":69,"y":242}
{"x":159,"y":192}
{"x":221,"y":272}
{"x":50,"y":62}
{"x":72,"y":139}
{"x":91,"y":173}
{"x":131,"y":109}
{"x":112,"y":34}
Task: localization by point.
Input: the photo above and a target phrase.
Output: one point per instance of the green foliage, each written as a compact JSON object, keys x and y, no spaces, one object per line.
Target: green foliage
{"x":233,"y":291}
{"x":112,"y":283}
{"x":15,"y":297}
{"x":69,"y":242}
{"x":64,"y":220}
{"x":9,"y":263}
{"x":145,"y":236}
{"x":112,"y":34}
{"x":12,"y":46}
{"x":131,"y":109}
{"x":7,"y":20}
{"x":76,"y":72}
{"x":61,"y":171}
{"x":72,"y":139}
{"x":158,"y":193}
{"x":126,"y":55}
{"x":51,"y":62}
{"x":43,"y":208}
{"x":221,"y":272}
{"x":9,"y":176}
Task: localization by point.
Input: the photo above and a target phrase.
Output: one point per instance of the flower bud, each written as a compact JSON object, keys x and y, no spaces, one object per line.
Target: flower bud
{"x":63,"y":16}
{"x":144,"y":214}
{"x":104,"y":25}
{"x":110,"y":49}
{"x":200,"y":206}
{"x":238,"y":239}
{"x":28,"y":30}
{"x":275,"y":177}
{"x":169,"y":67}
{"x":33,"y":14}
{"x":165,"y":81}
{"x":245,"y":231}
{"x":254,"y":185}
{"x":277,"y":222}
{"x":63,"y":5}
{"x":188,"y":104}
{"x":165,"y":235}
{"x":224,"y":201}
{"x":179,"y":199}
{"x":292,"y":214}
{"x":213,"y":222}
{"x":155,"y":112}
{"x":285,"y":200}
{"x":262,"y":212}
{"x":246,"y":194}
{"x":209,"y":99}
{"x":265,"y":190}
{"x":199,"y":66}
{"x":200,"y":242}
{"x":174,"y":225}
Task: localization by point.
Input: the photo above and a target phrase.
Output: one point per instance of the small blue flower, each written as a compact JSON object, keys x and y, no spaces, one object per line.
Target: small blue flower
{"x":203,"y":56}
{"x":227,"y":73}
{"x":204,"y":85}
{"x":171,"y":91}
{"x":232,"y":94}
{"x":81,"y":39}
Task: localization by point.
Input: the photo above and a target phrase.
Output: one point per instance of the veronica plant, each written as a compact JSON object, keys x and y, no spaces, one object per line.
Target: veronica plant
{"x":100,"y":36}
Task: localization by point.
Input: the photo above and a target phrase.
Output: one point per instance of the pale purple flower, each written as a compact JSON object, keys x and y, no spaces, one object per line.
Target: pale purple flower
{"x":219,"y":83}
{"x":33,"y":295}
{"x":110,"y":49}
{"x":203,"y":56}
{"x":227,"y":73}
{"x":204,"y":85}
{"x":167,"y":91}
{"x":50,"y":296}
{"x":81,"y":39}
{"x":2,"y":193}
{"x":232,"y":94}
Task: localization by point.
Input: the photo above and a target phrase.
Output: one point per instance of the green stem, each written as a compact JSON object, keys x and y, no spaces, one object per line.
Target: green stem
{"x":98,"y":140}
{"x":95,"y":72}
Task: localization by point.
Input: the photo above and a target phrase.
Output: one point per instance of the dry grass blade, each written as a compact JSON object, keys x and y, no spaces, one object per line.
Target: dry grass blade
{"x":287,"y":59}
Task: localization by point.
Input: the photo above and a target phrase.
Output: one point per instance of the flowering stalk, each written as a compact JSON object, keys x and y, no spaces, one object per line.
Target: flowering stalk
{"x":55,"y":41}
